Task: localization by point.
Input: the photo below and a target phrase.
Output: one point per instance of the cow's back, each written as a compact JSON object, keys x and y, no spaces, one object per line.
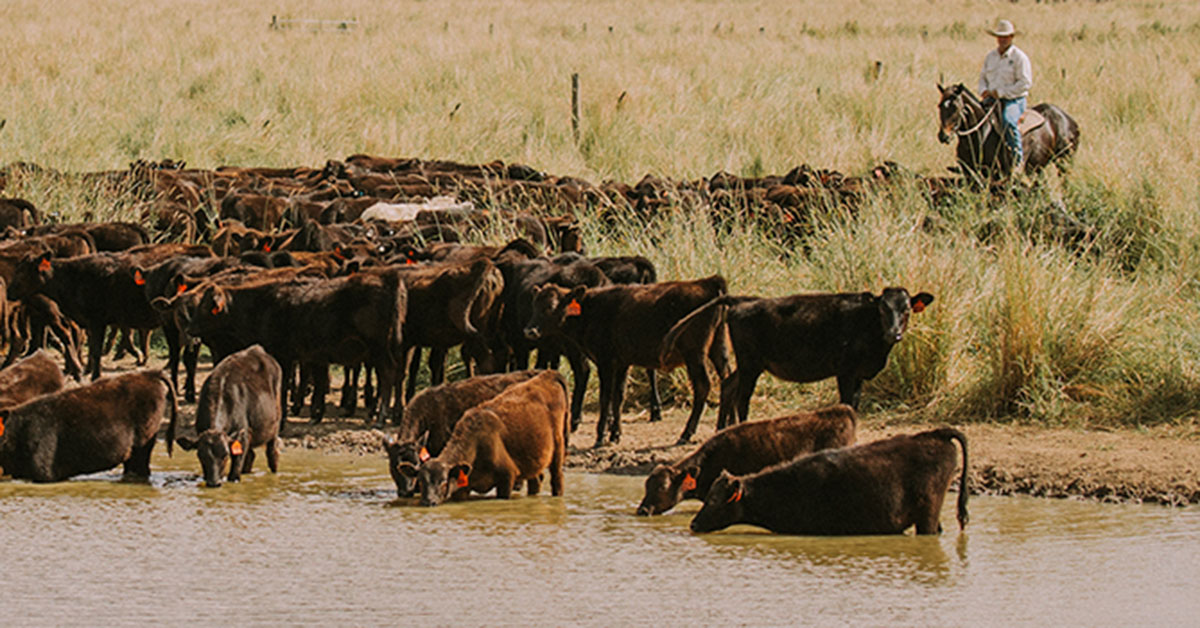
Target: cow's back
{"x":438,"y":409}
{"x":533,"y":416}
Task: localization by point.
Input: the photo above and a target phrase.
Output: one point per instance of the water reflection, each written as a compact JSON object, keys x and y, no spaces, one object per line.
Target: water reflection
{"x":337,"y":546}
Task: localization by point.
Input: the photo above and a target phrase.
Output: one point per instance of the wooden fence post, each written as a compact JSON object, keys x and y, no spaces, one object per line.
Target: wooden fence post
{"x":575,"y":106}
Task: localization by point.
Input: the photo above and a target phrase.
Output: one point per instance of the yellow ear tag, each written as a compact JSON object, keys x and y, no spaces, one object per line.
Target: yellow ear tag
{"x":573,"y":308}
{"x":236,"y":448}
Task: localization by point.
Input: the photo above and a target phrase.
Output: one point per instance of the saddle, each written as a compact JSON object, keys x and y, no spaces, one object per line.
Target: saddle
{"x":1029,"y":121}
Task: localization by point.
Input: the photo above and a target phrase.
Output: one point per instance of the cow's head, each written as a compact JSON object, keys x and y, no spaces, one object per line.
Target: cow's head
{"x":552,"y":306}
{"x":34,"y":271}
{"x":438,"y":480}
{"x":214,"y":448}
{"x":895,"y":305}
{"x":723,"y":505}
{"x":667,"y":486}
{"x":400,"y":453}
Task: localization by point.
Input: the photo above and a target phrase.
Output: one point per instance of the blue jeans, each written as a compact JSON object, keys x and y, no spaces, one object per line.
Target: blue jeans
{"x":1010,"y":112}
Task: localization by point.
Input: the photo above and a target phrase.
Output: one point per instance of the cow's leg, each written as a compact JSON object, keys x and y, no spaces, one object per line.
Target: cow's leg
{"x":556,"y":468}
{"x":618,"y":398}
{"x":698,"y":377}
{"x":437,"y":365}
{"x":504,"y":483}
{"x":368,"y":388}
{"x":273,"y":455}
{"x":174,"y":351}
{"x":144,"y":336}
{"x":533,"y":486}
{"x":607,"y":375}
{"x":138,"y":463}
{"x":580,"y":370}
{"x":320,"y":377}
{"x":414,"y":370}
{"x":746,"y":381}
{"x":299,"y":372}
{"x":286,"y":367}
{"x":235,"y":465}
{"x":849,"y":389}
{"x":248,"y":463}
{"x":191,"y":355}
{"x":383,"y":401}
{"x":727,"y":413}
{"x":95,"y":348}
{"x":349,"y":389}
{"x":655,"y":399}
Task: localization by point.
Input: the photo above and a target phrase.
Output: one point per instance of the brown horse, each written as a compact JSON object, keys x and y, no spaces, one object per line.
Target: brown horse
{"x":982,"y":151}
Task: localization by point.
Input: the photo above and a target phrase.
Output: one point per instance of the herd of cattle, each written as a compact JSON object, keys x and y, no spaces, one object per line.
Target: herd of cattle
{"x":277,"y":306}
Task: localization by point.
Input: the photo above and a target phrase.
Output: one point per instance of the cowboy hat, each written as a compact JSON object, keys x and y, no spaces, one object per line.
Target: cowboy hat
{"x":1004,"y":28}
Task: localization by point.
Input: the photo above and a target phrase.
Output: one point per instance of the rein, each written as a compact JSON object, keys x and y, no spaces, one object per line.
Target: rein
{"x":987,"y":115}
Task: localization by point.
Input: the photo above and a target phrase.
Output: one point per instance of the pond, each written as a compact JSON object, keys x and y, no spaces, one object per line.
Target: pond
{"x":325,"y":541}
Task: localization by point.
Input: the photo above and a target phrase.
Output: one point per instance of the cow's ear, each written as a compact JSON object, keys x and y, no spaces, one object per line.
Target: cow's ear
{"x":576,"y":293}
{"x":688,"y":476}
{"x":920,"y":301}
{"x":43,"y":262}
{"x":423,"y":439}
{"x":186,"y":443}
{"x":734,"y":490}
{"x":162,"y":304}
{"x":407,"y":469}
{"x":460,"y":475}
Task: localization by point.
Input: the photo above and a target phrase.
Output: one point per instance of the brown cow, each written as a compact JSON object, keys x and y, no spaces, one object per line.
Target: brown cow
{"x":239,"y":410}
{"x":511,"y":438}
{"x":624,"y":325}
{"x":32,"y":377}
{"x":431,"y":416}
{"x":747,"y":448}
{"x":804,"y":338}
{"x":88,"y":429}
{"x":18,"y":213}
{"x":882,"y":487}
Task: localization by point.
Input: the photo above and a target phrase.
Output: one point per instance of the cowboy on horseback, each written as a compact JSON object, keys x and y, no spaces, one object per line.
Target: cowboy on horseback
{"x":1007,"y":76}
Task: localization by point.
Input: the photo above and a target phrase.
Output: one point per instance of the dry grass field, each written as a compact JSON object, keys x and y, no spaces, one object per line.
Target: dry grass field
{"x":1031,"y":323}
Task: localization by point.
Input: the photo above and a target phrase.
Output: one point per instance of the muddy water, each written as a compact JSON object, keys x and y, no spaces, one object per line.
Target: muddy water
{"x":324,"y":542}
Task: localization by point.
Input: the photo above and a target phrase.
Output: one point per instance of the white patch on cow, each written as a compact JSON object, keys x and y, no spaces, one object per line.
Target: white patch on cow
{"x":402,"y":212}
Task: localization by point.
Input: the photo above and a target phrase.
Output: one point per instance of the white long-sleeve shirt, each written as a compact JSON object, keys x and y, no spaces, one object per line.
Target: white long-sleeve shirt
{"x":1010,"y":75}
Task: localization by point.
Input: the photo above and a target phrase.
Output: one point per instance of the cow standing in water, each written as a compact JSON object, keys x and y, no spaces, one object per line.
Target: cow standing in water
{"x":239,"y":409}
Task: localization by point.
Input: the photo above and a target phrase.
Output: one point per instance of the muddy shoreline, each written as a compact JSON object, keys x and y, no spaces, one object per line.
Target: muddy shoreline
{"x":1124,"y":466}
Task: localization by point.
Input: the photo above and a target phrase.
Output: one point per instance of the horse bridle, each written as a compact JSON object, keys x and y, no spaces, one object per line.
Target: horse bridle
{"x":958,"y":116}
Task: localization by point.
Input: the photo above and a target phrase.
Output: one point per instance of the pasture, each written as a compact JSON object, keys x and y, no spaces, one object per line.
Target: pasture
{"x":1072,"y":304}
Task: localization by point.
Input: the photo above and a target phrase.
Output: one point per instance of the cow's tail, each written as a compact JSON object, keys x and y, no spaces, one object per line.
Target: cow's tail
{"x":399,"y":301}
{"x":948,"y":433}
{"x":699,"y":325}
{"x":174,"y":411}
{"x":566,"y":422}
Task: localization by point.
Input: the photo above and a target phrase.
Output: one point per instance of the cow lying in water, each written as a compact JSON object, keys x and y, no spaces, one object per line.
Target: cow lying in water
{"x":514,"y":437}
{"x":747,"y":448}
{"x":239,"y":410}
{"x":431,"y":416}
{"x":882,"y":487}
{"x":92,"y":428}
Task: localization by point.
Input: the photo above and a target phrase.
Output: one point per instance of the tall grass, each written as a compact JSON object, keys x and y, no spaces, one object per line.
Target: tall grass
{"x":1075,"y":304}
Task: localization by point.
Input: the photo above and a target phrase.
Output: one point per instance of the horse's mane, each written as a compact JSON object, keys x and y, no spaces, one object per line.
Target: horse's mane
{"x":970,"y":95}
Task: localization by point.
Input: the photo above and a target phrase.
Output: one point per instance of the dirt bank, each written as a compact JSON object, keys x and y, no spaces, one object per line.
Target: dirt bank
{"x":1156,"y":466}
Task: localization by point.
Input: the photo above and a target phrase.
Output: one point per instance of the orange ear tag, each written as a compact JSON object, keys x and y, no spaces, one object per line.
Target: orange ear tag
{"x":338,"y":254}
{"x":266,"y":248}
{"x":423,"y":455}
{"x":1,"y":426}
{"x":182,"y":288}
{"x":44,"y":266}
{"x":236,"y":448}
{"x":689,"y":483}
{"x":409,"y":262}
{"x":138,"y":278}
{"x":918,"y":307}
{"x":736,"y":497}
{"x":216,"y":309}
{"x":574,"y":309}
{"x":462,"y":479}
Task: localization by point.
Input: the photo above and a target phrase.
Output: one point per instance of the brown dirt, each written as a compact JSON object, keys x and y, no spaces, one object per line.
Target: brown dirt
{"x":1158,"y":465}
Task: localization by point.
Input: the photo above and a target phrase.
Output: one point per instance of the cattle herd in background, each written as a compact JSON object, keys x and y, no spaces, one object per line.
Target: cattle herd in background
{"x":362,"y":264}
